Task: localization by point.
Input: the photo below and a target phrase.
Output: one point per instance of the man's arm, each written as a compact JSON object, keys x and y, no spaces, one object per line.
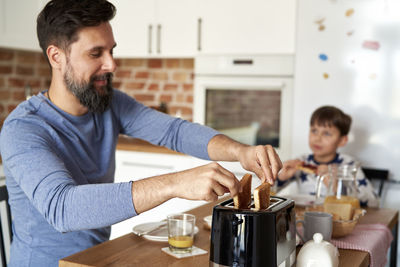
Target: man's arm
{"x":262,"y":160}
{"x":201,"y":183}
{"x":209,"y":181}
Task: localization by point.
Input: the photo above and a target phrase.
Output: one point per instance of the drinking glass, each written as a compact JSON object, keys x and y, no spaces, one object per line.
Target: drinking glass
{"x":180,"y":232}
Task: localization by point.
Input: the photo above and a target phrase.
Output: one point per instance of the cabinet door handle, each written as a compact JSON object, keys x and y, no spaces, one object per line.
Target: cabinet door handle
{"x":199,"y":22}
{"x":159,"y":38}
{"x":150,"y":30}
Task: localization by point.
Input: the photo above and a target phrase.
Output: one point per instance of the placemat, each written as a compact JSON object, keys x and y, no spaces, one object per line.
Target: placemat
{"x":372,"y":238}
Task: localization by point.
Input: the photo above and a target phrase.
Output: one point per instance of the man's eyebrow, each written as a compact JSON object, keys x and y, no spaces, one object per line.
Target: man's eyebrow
{"x":96,"y":48}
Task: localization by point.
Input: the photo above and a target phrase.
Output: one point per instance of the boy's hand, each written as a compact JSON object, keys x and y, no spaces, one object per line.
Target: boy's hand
{"x":289,"y":169}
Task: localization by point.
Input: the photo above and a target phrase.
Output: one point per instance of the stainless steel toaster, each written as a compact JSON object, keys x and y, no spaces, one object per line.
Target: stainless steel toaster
{"x":247,"y":237}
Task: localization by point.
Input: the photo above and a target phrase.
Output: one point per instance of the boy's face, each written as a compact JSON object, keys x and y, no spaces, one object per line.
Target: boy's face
{"x":324,"y":141}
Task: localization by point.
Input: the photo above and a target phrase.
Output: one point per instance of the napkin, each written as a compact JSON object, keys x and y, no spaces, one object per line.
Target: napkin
{"x":372,"y":238}
{"x":195,"y":251}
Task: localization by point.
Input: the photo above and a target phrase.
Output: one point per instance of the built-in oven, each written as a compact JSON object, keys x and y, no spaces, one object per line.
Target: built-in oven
{"x":248,"y":98}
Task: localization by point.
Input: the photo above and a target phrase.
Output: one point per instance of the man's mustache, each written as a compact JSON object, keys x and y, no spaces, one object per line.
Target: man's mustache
{"x":106,"y":76}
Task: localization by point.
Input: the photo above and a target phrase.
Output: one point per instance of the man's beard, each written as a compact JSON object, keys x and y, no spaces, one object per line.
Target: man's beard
{"x":86,"y":91}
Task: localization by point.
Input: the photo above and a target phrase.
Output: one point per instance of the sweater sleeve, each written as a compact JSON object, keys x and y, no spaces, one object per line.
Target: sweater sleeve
{"x":30,"y":161}
{"x":137,"y":120}
{"x":365,"y":191}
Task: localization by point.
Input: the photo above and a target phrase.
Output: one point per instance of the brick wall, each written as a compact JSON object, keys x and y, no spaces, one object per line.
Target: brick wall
{"x":150,"y":81}
{"x":19,"y":69}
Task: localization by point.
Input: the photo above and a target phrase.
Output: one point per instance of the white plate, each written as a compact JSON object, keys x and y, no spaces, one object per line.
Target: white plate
{"x":208,"y":220}
{"x":160,"y":235}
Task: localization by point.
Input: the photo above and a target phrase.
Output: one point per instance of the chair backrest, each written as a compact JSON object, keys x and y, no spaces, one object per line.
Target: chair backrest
{"x":5,"y":225}
{"x":381,"y":175}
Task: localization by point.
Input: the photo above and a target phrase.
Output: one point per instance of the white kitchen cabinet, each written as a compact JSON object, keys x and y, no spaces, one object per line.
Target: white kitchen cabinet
{"x":131,"y":27}
{"x":155,"y":28}
{"x":247,"y":26}
{"x":18,"y":23}
{"x":132,"y":166}
{"x":179,"y":27}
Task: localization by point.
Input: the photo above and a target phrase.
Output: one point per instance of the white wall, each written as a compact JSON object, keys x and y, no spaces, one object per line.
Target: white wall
{"x":365,"y":83}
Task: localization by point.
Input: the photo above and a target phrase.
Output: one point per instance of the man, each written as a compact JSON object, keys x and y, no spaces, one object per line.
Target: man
{"x":58,"y":148}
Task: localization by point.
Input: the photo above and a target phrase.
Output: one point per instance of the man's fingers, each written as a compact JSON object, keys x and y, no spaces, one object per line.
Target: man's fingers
{"x":265,"y":164}
{"x":212,"y":197}
{"x":219,"y":189}
{"x":275,"y":161}
{"x":259,"y":171}
{"x":269,"y":162}
{"x":229,"y":181}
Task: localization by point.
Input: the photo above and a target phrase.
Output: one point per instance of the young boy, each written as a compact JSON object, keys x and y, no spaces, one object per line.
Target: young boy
{"x":329,"y":127}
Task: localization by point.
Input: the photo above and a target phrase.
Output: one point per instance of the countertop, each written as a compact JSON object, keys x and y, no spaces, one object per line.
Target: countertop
{"x":138,"y":145}
{"x":132,"y":250}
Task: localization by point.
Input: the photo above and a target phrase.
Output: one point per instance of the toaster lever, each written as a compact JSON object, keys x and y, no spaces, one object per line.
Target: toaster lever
{"x":237,"y":221}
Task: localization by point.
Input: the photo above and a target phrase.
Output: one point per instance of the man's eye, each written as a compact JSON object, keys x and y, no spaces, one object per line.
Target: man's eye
{"x":95,"y":54}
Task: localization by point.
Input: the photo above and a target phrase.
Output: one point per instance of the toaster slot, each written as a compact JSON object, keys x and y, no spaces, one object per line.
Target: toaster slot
{"x":273,"y":202}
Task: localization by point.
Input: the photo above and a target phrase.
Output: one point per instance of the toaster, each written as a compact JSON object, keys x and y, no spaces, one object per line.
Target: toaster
{"x":249,"y":237}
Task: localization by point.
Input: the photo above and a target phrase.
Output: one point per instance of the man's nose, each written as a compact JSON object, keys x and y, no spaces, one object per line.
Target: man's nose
{"x":109,"y":64}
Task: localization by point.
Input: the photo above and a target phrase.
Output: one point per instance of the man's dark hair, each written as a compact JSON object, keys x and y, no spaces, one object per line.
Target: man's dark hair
{"x":331,"y":116}
{"x":60,"y":20}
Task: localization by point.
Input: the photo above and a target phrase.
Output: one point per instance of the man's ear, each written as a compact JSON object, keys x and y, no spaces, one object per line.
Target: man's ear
{"x":343,"y":140}
{"x":55,"y":56}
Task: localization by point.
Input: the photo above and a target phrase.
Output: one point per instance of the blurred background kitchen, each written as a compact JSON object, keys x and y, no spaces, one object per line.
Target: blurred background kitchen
{"x":254,"y":69}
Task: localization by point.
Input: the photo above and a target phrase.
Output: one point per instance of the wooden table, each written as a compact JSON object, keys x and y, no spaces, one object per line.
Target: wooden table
{"x":131,"y":250}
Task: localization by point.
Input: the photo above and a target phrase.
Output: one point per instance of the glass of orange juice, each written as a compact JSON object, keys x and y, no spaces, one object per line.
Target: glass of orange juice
{"x":181,"y":232}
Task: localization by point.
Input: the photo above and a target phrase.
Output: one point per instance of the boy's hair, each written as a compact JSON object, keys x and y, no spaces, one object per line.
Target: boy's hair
{"x":331,"y":116}
{"x":60,"y":20}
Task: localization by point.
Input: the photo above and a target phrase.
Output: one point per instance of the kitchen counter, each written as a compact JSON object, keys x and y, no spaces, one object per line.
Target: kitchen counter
{"x":138,"y":145}
{"x":132,"y":250}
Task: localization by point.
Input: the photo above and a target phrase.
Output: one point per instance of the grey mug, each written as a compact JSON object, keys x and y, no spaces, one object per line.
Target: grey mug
{"x":316,"y":222}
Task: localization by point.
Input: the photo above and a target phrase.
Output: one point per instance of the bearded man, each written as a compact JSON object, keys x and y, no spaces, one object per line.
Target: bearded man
{"x":58,"y":147}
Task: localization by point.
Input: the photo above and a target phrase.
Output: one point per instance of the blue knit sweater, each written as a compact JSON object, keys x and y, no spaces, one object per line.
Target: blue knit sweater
{"x":60,"y":170}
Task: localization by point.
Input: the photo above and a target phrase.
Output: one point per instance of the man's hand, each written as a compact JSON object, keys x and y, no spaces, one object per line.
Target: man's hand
{"x":262,"y":160}
{"x":206,"y":182}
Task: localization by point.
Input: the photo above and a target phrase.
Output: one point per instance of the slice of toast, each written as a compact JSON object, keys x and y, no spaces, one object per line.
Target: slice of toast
{"x":344,"y":210}
{"x":308,"y":168}
{"x":261,"y":196}
{"x":243,"y":199}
